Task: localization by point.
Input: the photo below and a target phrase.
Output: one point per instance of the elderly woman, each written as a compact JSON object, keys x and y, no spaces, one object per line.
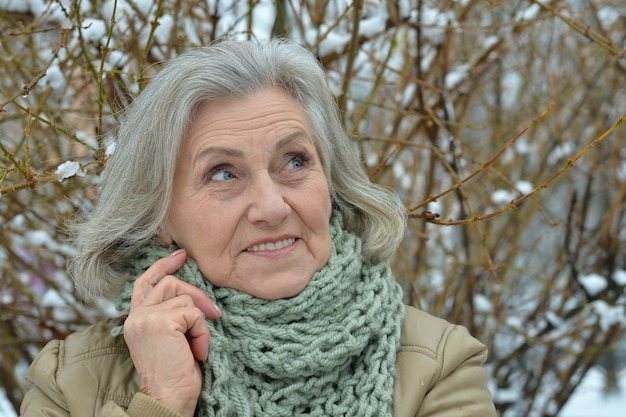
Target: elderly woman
{"x":239,"y":234}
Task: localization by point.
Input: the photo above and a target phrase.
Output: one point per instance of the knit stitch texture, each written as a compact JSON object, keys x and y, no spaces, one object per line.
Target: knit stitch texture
{"x":328,"y":351}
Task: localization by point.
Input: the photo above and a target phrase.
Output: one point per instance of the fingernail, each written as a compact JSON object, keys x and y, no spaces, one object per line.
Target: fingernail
{"x":177,"y":252}
{"x":217,"y":309}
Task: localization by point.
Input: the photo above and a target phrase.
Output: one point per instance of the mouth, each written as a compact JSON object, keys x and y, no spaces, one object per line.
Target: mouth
{"x":272,"y":245}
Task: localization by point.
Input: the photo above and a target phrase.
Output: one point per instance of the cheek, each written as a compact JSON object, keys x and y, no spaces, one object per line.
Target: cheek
{"x":323,"y":204}
{"x":325,"y":252}
{"x":216,"y":234}
{"x":186,"y":224}
{"x":322,"y":211}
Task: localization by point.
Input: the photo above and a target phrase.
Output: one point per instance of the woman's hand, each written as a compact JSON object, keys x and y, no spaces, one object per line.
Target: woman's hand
{"x":167,"y":334}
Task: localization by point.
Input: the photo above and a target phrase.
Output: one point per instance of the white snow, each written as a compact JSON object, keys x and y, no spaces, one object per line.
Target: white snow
{"x":560,"y":152}
{"x":507,"y":395}
{"x":511,"y":84}
{"x":52,"y":299}
{"x":434,"y":23}
{"x":16,"y":6}
{"x":41,"y":238}
{"x":406,"y":182}
{"x":373,"y":25}
{"x":529,"y":13}
{"x":490,"y":41}
{"x":263,"y":17}
{"x":164,"y":29}
{"x":522,"y":146}
{"x":6,"y":409}
{"x":334,"y":42}
{"x":428,"y":57}
{"x":621,"y":171}
{"x":61,"y":312}
{"x":593,"y":283}
{"x":607,"y":16}
{"x":93,"y":30}
{"x":398,"y":169}
{"x":608,"y":315}
{"x":589,"y":400}
{"x":482,"y":304}
{"x":502,"y":197}
{"x":619,"y":277}
{"x":54,"y":77}
{"x":456,"y":76}
{"x":524,"y":187}
{"x":109,"y":148}
{"x":371,"y":159}
{"x":69,"y":169}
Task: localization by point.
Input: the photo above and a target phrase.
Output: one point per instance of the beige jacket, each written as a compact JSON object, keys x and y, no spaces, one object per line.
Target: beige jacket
{"x":439,"y":374}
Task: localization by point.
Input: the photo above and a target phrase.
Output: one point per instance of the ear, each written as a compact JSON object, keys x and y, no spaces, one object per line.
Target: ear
{"x":164,"y":235}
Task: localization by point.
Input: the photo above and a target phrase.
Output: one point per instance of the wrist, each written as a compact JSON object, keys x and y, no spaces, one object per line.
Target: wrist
{"x":143,"y":405}
{"x":180,"y":407}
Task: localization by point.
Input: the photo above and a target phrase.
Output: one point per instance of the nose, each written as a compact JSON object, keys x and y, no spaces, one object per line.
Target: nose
{"x":267,"y":203}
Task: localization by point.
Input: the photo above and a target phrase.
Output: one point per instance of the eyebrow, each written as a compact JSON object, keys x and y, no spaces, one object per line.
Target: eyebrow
{"x":236,"y":153}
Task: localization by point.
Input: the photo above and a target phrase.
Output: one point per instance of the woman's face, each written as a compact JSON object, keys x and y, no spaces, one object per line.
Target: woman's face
{"x":251,"y":202}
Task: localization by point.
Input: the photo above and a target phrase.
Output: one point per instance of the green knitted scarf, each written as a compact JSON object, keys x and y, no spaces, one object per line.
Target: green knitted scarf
{"x":328,"y":351}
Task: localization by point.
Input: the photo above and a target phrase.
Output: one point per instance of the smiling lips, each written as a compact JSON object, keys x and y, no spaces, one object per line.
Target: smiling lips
{"x":272,"y":245}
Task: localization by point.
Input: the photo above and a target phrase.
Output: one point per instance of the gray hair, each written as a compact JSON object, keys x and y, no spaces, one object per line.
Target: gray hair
{"x":135,"y":195}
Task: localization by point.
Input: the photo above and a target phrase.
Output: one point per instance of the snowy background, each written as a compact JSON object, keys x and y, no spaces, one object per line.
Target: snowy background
{"x":542,"y":307}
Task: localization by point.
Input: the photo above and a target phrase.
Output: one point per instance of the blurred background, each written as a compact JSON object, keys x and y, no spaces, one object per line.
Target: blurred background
{"x":500,"y":124}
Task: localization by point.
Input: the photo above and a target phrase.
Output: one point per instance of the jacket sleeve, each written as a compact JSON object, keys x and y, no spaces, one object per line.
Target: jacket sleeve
{"x":460,"y":388}
{"x":43,"y":398}
{"x":140,"y":406}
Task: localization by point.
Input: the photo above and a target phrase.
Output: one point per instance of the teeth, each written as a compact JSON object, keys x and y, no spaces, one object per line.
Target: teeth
{"x":271,"y":246}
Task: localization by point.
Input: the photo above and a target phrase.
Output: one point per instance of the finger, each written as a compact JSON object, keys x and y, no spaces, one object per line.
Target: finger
{"x":199,"y":337}
{"x":160,"y":269}
{"x":147,"y":291}
{"x":177,"y":315}
{"x":171,"y":287}
{"x":168,"y":265}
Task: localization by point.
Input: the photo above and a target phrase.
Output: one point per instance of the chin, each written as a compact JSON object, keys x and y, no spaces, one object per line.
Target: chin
{"x":280,"y":291}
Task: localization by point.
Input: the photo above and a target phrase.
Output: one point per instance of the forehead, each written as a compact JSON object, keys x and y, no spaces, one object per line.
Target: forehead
{"x":270,"y":114}
{"x":263,"y":109}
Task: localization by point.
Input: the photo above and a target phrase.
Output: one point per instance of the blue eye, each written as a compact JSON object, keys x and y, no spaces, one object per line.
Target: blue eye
{"x":222,"y":175}
{"x":295,"y":163}
{"x":298,"y":161}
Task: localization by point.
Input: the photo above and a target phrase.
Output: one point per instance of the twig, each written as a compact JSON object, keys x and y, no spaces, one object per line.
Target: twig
{"x":482,"y":167}
{"x":30,"y":85}
{"x":584,"y":30}
{"x":352,"y":52}
{"x":516,"y":202}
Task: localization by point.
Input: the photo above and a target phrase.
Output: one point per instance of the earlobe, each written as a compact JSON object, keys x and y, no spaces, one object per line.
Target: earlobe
{"x":164,"y":236}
